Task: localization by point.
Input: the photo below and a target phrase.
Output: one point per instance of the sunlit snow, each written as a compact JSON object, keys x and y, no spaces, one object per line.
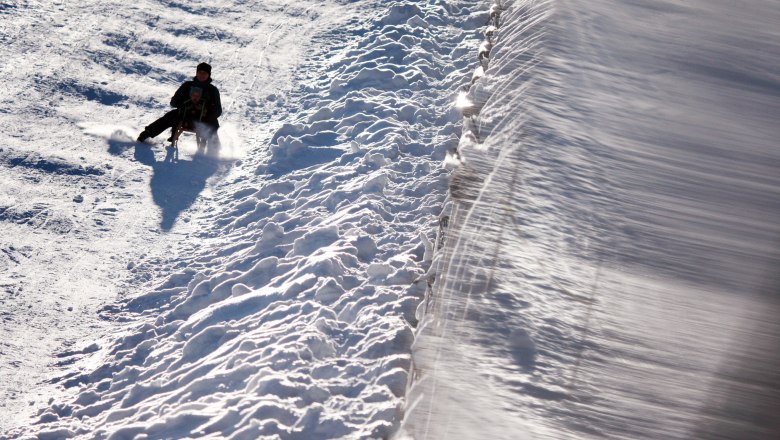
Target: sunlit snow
{"x":428,"y":219}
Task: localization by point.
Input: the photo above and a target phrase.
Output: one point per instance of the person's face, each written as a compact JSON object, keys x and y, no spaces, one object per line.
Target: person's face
{"x":195,"y":96}
{"x":202,"y":75}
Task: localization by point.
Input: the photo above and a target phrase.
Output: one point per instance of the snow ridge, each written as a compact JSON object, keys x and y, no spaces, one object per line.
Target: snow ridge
{"x":293,"y":317}
{"x":452,"y":393}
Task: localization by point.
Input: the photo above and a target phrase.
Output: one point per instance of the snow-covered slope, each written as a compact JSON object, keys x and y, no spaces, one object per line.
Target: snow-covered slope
{"x":606,"y":263}
{"x":611,"y":264}
{"x":86,"y":213}
{"x":269,"y":290}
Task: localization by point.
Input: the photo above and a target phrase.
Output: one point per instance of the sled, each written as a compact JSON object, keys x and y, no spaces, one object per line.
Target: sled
{"x":189,"y":127}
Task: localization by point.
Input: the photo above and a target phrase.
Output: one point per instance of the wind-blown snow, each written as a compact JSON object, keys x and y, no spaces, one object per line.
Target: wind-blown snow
{"x":287,"y":309}
{"x":610,"y":264}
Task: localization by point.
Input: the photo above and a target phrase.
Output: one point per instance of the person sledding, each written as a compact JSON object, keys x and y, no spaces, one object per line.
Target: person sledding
{"x":197,"y":107}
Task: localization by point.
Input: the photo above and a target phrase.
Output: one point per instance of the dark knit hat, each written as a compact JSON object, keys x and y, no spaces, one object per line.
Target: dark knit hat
{"x":205,"y":67}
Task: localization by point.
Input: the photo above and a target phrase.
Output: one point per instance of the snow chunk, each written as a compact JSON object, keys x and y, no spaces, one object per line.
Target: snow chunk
{"x":314,"y":240}
{"x":400,"y":13}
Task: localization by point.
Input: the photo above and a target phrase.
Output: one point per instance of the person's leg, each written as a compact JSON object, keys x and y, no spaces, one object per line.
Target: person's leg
{"x":208,"y":130}
{"x":168,"y":120}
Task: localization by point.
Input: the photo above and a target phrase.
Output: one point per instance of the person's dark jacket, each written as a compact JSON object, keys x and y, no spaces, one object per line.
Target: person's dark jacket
{"x":210,"y":98}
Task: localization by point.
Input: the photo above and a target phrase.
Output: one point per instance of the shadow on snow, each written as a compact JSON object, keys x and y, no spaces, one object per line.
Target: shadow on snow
{"x":175,"y":185}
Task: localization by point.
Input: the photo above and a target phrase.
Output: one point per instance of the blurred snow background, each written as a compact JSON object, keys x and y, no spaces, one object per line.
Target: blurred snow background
{"x":610,"y":266}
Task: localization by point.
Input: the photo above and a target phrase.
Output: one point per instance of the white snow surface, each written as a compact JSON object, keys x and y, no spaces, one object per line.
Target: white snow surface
{"x":265,"y":290}
{"x":604,"y":265}
{"x":610,"y":267}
